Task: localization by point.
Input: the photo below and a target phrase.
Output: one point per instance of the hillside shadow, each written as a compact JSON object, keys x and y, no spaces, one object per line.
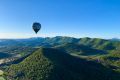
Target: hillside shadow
{"x":80,"y":49}
{"x":67,"y":67}
{"x":5,"y":55}
{"x":93,"y":52}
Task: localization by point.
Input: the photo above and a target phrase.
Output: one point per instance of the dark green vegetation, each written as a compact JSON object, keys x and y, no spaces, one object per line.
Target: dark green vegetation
{"x":52,"y":64}
{"x":5,"y":55}
{"x":63,"y":58}
{"x":55,"y":41}
{"x":79,"y":49}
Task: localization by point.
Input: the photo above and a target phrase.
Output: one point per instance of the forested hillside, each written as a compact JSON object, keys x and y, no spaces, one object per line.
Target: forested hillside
{"x":52,"y":64}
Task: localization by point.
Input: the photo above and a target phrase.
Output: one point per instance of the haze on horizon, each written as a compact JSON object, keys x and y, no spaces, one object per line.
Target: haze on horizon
{"x":75,"y":18}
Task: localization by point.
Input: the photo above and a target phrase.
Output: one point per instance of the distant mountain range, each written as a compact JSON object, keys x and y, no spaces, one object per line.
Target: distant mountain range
{"x":115,"y":39}
{"x":82,"y":46}
{"x":55,"y":41}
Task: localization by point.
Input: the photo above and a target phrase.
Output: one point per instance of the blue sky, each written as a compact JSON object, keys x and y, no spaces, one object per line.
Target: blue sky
{"x":77,"y":18}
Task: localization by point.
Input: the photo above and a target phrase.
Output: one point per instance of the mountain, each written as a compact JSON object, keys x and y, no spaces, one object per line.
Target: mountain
{"x":9,"y":42}
{"x":98,"y":43}
{"x":58,"y":40}
{"x":53,"y":64}
{"x":115,"y":39}
{"x":79,"y":49}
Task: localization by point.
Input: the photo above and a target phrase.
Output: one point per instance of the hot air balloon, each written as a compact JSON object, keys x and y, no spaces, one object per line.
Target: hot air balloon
{"x":36,"y":27}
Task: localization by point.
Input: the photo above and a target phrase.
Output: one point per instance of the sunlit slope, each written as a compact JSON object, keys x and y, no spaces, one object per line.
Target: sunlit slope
{"x":52,"y":64}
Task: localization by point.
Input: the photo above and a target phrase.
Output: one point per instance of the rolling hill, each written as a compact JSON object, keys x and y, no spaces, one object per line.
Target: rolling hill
{"x":97,"y":43}
{"x":79,"y":49}
{"x":53,"y":64}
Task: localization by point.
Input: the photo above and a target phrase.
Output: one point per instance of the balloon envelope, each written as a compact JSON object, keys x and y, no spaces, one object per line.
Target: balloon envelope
{"x":36,"y":27}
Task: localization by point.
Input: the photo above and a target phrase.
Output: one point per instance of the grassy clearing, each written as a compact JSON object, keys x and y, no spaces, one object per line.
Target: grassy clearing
{"x":1,"y":72}
{"x":1,"y":78}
